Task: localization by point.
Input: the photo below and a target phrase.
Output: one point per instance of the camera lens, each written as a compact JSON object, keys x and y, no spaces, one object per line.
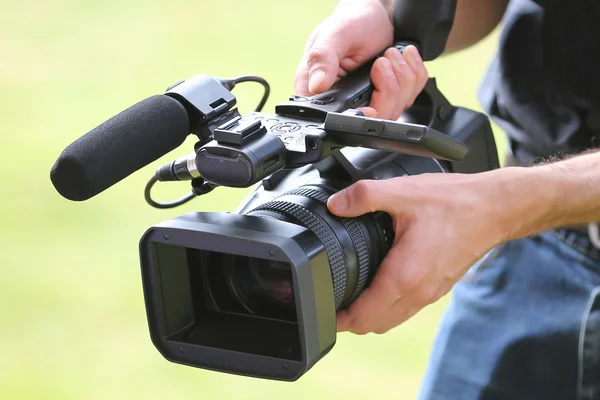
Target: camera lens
{"x":262,"y":287}
{"x":354,"y":246}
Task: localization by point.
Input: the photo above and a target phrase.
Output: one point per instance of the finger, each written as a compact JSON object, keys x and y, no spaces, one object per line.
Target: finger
{"x":301,"y":78}
{"x":323,"y":59}
{"x":402,"y":281}
{"x":399,"y":313}
{"x":413,"y":58}
{"x":368,"y":111}
{"x":363,"y":197}
{"x":428,"y":292}
{"x":362,"y":316}
{"x":343,"y":320}
{"x":408,"y":306}
{"x":313,"y":36}
{"x":384,"y":97}
{"x":406,"y":80}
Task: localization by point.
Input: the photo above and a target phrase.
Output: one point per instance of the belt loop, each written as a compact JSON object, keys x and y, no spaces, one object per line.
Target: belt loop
{"x":594,"y":233}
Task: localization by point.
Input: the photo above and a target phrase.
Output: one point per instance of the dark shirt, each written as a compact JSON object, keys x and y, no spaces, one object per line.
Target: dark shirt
{"x":543,"y":86}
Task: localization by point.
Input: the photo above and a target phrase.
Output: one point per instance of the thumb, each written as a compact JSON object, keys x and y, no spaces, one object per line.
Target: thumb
{"x":323,"y":60}
{"x":362,"y":197}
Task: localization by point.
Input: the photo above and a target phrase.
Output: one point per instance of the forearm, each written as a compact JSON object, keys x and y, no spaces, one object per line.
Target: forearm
{"x":473,"y":21}
{"x":534,"y":199}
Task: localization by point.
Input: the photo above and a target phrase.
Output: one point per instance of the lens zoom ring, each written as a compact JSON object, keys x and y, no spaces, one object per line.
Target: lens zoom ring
{"x":325,"y":234}
{"x":356,"y":235}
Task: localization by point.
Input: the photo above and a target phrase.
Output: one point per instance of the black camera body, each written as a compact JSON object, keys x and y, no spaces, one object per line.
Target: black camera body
{"x":255,"y":292}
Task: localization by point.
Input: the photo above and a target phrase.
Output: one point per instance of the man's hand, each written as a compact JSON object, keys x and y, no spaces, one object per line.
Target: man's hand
{"x":443,"y":223}
{"x":355,"y":33}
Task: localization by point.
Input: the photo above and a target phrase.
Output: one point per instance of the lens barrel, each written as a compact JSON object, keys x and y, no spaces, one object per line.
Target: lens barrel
{"x":355,"y":246}
{"x":255,"y":292}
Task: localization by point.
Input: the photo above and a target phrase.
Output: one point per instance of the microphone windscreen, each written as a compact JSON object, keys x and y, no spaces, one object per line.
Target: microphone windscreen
{"x":120,"y":146}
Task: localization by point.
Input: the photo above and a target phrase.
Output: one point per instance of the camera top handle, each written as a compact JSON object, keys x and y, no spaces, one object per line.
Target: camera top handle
{"x":235,"y":151}
{"x":243,"y":150}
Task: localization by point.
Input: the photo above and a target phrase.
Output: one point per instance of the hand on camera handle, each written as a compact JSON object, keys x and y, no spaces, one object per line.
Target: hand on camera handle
{"x":397,"y":77}
{"x":353,"y":35}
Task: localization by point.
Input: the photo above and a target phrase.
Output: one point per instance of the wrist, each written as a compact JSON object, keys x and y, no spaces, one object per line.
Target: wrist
{"x":521,"y":201}
{"x":554,"y":194}
{"x":575,"y":185}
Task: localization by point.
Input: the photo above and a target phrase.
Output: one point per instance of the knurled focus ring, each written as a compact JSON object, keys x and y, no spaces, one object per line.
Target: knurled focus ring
{"x":333,"y":248}
{"x":307,"y":192}
{"x":356,"y":235}
{"x":362,"y":254}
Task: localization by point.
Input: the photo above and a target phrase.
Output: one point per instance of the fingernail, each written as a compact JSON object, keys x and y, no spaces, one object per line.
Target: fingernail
{"x":418,"y":58}
{"x":409,"y":56}
{"x":398,"y":56}
{"x":337,"y":202}
{"x":316,"y":78}
{"x":387,"y":67}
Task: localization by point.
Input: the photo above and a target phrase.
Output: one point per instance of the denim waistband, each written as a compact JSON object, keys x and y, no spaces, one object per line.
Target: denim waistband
{"x":579,"y":241}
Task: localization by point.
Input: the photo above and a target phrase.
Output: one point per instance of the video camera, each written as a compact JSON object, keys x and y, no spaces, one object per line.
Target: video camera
{"x":255,"y":292}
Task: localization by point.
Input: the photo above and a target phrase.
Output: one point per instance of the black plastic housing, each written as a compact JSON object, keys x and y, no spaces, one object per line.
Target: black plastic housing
{"x":473,"y":129}
{"x":420,"y":140}
{"x":425,"y":22}
{"x":353,"y":92}
{"x":241,"y":166}
{"x":192,"y":330}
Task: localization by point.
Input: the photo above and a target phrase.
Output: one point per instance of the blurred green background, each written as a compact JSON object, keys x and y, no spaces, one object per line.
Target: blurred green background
{"x":72,"y":316}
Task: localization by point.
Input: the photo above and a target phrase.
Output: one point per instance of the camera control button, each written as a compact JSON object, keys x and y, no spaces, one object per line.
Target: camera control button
{"x":298,"y":98}
{"x":323,"y":101}
{"x":286,"y":127}
{"x":354,"y":112}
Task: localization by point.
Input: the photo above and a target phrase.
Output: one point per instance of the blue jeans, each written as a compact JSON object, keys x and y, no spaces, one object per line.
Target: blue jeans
{"x":523,"y":325}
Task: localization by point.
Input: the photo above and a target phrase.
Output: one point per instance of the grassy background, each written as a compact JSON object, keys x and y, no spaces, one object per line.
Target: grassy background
{"x":72,"y":316}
